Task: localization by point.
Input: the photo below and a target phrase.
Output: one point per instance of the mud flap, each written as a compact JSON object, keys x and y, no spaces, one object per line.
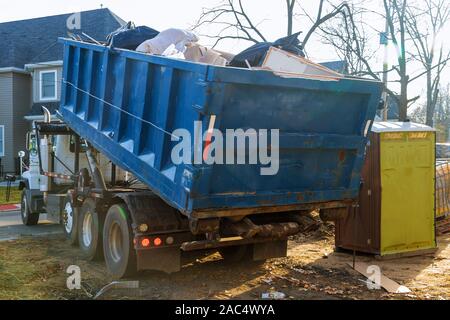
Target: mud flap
{"x":270,"y":250}
{"x":167,"y":260}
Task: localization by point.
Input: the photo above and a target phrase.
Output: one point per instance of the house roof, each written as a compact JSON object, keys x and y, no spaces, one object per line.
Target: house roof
{"x":338,"y":66}
{"x":35,"y":40}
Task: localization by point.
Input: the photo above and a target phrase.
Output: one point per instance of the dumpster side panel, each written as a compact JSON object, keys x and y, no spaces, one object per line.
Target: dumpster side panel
{"x":128,"y":108}
{"x":304,"y":118}
{"x":323,"y":127}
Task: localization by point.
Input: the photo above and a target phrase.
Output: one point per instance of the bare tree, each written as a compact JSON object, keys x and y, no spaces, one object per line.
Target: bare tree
{"x":352,"y":38}
{"x":343,"y":26}
{"x":407,"y":30}
{"x":234,"y":22}
{"x":342,"y":9}
{"x":423,"y":25}
{"x":351,"y":41}
{"x":396,"y":15}
{"x":290,"y":4}
{"x":441,"y":112}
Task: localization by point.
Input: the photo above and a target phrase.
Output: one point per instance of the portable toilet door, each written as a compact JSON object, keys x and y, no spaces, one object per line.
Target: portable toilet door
{"x":407,"y":173}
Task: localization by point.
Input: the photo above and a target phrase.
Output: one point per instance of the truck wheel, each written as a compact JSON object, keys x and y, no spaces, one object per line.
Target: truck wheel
{"x":236,"y":254}
{"x":90,"y":226}
{"x":28,"y":218}
{"x":120,"y":254}
{"x":70,"y":222}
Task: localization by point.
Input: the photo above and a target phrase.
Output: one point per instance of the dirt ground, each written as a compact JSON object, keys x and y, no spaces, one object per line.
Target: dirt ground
{"x":36,"y":269}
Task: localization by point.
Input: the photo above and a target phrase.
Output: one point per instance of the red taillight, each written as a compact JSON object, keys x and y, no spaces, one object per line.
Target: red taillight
{"x":145,"y":242}
{"x":157,"y":242}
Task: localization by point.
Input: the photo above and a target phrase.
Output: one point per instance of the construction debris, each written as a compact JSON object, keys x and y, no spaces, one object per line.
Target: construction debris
{"x":286,"y":64}
{"x":201,"y":54}
{"x":273,"y":296}
{"x":387,"y":284}
{"x":254,"y":56}
{"x":168,"y":41}
{"x":443,"y":226}
{"x":130,"y":37}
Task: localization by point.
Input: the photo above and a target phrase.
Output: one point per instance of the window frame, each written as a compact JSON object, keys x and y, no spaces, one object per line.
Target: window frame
{"x":41,"y":83}
{"x":2,"y":142}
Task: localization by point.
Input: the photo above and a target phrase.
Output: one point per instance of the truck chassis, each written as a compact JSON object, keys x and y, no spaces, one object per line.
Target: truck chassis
{"x":133,"y":229}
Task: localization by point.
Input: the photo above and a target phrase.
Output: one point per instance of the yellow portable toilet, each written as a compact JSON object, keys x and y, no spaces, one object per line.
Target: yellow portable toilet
{"x":396,"y":214}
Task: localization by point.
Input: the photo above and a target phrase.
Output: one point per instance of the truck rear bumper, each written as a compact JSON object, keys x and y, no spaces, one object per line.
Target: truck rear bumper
{"x":169,"y":260}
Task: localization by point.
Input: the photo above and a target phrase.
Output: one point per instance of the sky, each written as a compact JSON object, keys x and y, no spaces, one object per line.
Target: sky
{"x":161,"y":15}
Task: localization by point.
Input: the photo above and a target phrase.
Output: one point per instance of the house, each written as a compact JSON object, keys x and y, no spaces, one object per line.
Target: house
{"x":392,"y":109}
{"x":340,"y":66}
{"x":31,"y":69}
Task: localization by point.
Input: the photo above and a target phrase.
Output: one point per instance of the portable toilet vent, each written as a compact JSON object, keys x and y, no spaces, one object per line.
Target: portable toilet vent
{"x":396,"y":214}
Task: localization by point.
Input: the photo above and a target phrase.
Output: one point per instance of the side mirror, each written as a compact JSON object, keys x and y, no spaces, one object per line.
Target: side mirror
{"x":21,"y":154}
{"x":381,"y":104}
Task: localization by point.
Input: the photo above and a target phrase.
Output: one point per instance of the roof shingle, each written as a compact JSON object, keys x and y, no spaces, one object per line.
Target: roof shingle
{"x":35,"y":40}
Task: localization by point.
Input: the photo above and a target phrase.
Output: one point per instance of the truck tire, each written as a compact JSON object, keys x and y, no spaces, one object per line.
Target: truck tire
{"x":28,"y":218}
{"x":118,"y":245}
{"x":69,"y":222}
{"x":90,"y":226}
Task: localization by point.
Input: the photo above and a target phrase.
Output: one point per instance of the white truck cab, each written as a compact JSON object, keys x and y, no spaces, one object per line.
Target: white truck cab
{"x":52,"y":173}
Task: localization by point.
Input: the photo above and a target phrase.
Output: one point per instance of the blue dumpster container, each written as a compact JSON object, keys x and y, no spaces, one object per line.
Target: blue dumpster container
{"x":129,"y":104}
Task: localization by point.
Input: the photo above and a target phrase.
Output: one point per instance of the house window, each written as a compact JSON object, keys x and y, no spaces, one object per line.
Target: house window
{"x":2,"y":141}
{"x":48,"y":87}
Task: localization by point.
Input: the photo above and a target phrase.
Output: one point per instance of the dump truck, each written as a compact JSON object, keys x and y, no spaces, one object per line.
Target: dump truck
{"x":110,"y":168}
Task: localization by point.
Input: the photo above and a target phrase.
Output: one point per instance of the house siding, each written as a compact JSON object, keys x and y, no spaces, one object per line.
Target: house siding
{"x":15,"y":100}
{"x":6,"y":119}
{"x":21,"y":107}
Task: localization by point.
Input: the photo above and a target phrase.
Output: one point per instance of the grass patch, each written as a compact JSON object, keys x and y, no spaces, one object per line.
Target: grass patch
{"x":14,"y":198}
{"x":27,"y":272}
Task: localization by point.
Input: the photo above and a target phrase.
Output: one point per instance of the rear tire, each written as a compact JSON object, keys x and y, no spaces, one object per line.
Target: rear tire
{"x":69,"y":222}
{"x":120,"y":254}
{"x":28,"y":218}
{"x":90,"y":226}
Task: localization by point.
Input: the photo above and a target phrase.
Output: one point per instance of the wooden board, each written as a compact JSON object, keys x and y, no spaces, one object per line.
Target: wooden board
{"x":387,"y":284}
{"x":286,"y":64}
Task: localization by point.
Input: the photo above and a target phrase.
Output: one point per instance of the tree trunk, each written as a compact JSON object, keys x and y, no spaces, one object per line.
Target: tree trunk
{"x":290,"y":15}
{"x":430,"y":106}
{"x":403,"y":101}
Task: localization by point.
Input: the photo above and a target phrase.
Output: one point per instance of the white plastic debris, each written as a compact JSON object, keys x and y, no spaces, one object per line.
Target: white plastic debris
{"x":177,"y":37}
{"x":117,"y":285}
{"x":273,"y":296}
